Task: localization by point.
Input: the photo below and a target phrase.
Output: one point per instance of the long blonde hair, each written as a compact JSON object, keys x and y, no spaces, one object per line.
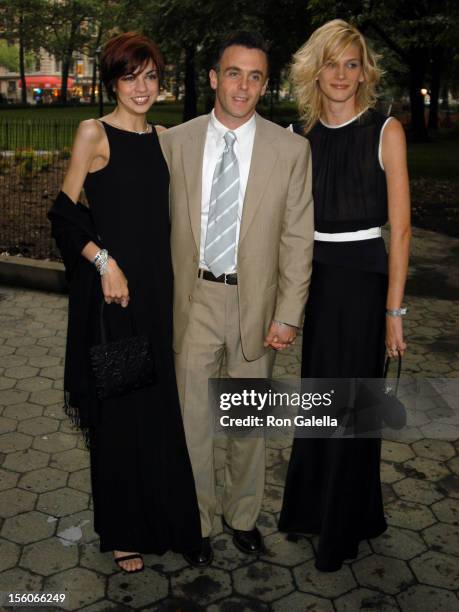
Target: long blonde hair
{"x":326,"y":44}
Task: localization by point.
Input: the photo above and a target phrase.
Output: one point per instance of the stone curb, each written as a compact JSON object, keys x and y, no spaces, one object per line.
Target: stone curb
{"x":32,"y":273}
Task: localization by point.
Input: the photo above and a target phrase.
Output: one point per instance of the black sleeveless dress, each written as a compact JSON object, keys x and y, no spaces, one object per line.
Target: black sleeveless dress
{"x":142,"y":482}
{"x":333,"y":486}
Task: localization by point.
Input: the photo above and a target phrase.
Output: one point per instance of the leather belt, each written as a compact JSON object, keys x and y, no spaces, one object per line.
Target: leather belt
{"x":228,"y":279}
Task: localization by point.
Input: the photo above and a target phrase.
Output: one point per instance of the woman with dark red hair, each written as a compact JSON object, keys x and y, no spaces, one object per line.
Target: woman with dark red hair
{"x":118,"y":251}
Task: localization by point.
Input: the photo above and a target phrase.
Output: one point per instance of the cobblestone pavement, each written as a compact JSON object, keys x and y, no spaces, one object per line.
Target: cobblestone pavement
{"x":47,"y":543}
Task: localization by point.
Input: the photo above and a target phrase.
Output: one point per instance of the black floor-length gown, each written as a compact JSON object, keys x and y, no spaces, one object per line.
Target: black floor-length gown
{"x":333,"y":486}
{"x":142,"y":482}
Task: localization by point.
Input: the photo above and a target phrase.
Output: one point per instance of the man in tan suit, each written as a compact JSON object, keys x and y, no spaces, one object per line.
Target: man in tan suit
{"x":242,"y":238}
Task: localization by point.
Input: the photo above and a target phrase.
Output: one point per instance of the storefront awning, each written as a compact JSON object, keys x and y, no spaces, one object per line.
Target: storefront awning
{"x":46,"y":82}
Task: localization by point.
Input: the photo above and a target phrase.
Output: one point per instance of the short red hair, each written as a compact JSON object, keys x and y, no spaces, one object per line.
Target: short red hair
{"x":126,"y":53}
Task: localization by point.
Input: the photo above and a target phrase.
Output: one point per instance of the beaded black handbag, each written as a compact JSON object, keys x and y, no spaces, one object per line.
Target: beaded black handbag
{"x":121,"y":366}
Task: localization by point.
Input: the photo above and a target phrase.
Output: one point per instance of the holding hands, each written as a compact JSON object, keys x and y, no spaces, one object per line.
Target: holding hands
{"x":280,"y":336}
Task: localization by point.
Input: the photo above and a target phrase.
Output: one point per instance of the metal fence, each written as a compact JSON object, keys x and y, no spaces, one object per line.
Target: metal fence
{"x":33,"y":160}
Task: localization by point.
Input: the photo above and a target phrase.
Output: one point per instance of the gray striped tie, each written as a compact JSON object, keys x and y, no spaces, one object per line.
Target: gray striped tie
{"x":220,"y":249}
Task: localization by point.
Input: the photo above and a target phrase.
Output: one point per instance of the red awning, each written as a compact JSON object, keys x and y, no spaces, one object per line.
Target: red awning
{"x":46,"y":82}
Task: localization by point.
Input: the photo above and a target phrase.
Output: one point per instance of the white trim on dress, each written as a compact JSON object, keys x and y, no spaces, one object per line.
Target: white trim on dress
{"x":380,"y":142}
{"x":367,"y":234}
{"x":334,"y":127}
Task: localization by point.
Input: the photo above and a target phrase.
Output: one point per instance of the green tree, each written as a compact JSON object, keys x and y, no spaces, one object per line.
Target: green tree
{"x":102,"y":24}
{"x":188,"y":32}
{"x":285,"y":24}
{"x":9,"y":56}
{"x":444,"y":54}
{"x":21,"y":24}
{"x":419,"y":32}
{"x":67,"y":25}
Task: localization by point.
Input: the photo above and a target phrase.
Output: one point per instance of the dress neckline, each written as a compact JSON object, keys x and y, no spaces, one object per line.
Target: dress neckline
{"x":340,"y":125}
{"x":110,"y":125}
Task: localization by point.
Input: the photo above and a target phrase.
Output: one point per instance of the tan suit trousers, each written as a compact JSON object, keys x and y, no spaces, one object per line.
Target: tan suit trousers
{"x":212,"y":334}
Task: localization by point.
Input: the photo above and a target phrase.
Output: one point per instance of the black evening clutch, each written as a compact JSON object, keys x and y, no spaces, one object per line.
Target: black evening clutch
{"x":121,"y":366}
{"x":393,"y":410}
{"x":377,"y":404}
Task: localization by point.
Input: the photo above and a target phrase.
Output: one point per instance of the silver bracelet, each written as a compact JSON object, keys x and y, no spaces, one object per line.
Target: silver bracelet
{"x":396,"y":312}
{"x":101,"y":261}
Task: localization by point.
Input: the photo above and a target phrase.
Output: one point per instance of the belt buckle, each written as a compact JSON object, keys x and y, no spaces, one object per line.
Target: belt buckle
{"x":224,"y":278}
{"x":230,"y":276}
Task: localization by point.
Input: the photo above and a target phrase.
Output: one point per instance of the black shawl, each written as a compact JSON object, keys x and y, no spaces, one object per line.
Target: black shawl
{"x":72,"y":228}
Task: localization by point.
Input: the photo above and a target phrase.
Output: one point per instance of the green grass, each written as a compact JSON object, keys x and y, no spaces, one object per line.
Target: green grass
{"x":52,"y":128}
{"x":162,"y":113}
{"x":49,"y":113}
{"x":167,"y":112}
{"x":436,"y":159}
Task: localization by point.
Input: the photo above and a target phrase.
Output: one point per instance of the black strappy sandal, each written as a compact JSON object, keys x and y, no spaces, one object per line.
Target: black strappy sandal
{"x":119,"y":560}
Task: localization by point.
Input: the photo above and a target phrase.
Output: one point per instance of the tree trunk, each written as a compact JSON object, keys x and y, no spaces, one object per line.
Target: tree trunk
{"x":417,"y":74}
{"x":273,"y":86}
{"x":101,"y":95}
{"x":209,"y":101}
{"x":94,"y":66}
{"x":271,"y":103}
{"x":94,"y":81}
{"x":68,"y":58}
{"x":190,"y":106}
{"x":22,"y":62}
{"x":416,"y":60}
{"x":444,"y":96}
{"x":445,"y":105}
{"x":437,"y":65}
{"x":64,"y":77}
{"x":176,"y":86}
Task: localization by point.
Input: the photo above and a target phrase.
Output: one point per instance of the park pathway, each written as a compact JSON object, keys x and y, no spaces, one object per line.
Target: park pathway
{"x":46,"y":539}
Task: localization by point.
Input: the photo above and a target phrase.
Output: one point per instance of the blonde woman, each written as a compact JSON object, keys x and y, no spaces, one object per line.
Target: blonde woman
{"x":360,"y":182}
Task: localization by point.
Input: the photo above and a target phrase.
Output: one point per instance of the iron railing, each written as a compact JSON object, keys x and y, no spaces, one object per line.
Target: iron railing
{"x":33,"y":160}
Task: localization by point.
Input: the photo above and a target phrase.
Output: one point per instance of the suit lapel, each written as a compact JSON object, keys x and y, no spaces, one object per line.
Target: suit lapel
{"x":192,"y":156}
{"x":264,"y":156}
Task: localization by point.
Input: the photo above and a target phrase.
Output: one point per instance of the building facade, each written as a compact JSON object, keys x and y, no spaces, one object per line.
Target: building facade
{"x":44,"y":81}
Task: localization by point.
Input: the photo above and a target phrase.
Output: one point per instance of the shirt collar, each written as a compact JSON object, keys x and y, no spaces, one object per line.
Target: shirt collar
{"x":241,"y":132}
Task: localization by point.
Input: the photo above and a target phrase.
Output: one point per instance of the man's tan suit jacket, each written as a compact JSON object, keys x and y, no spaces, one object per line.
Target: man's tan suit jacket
{"x":276,"y":237}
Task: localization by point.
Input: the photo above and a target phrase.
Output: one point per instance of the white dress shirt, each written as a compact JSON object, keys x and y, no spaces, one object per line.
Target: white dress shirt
{"x":213,"y":150}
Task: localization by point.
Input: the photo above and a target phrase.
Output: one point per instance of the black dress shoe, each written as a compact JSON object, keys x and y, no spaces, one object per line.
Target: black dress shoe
{"x":201,"y":557}
{"x":249,"y":542}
